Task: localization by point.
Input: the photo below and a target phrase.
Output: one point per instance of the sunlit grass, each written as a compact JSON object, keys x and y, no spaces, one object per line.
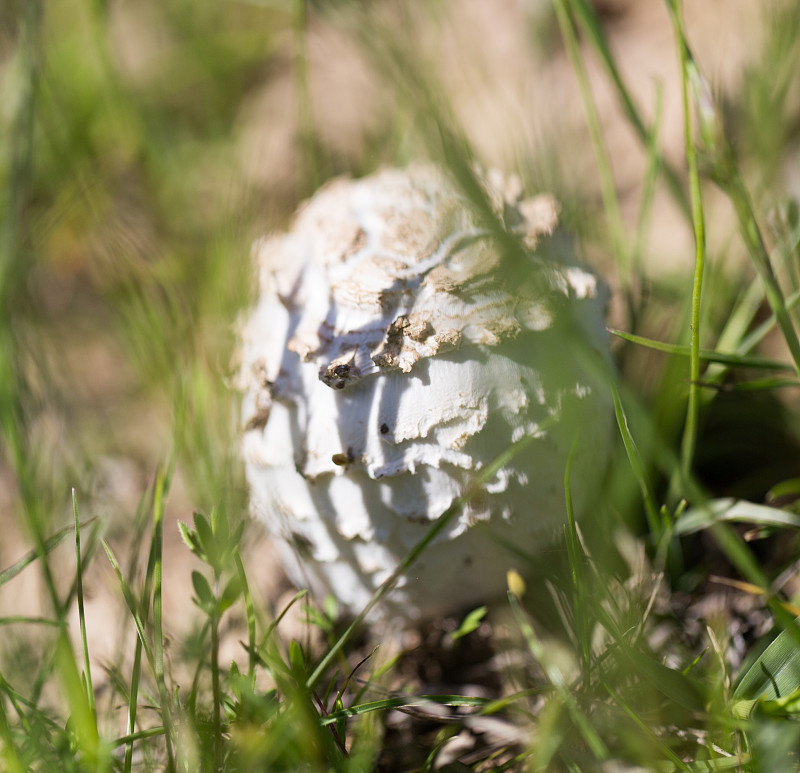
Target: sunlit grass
{"x":125,"y":211}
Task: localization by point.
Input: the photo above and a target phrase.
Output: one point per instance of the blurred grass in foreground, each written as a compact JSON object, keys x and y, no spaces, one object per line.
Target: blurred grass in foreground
{"x":126,"y":225}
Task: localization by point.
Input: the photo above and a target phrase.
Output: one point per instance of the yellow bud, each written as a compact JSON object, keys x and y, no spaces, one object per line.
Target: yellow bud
{"x":515,"y":583}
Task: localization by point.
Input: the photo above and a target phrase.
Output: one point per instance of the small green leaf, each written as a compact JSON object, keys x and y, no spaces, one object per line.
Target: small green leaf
{"x":189,"y":536}
{"x":755,"y":385}
{"x":786,"y":492}
{"x":316,"y":618}
{"x":681,"y":688}
{"x":775,"y":673}
{"x":723,"y":358}
{"x":470,"y":623}
{"x":297,"y":660}
{"x":219,"y":524}
{"x":236,"y":681}
{"x":330,"y":606}
{"x":205,"y":597}
{"x":205,"y":535}
{"x":789,"y":706}
{"x":743,"y":709}
{"x":698,"y":518}
{"x":402,"y":702}
{"x":341,"y":722}
{"x":230,"y":593}
{"x":237,"y":534}
{"x":220,"y":527}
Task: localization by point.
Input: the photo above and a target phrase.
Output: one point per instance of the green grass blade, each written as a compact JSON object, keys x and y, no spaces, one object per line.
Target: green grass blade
{"x":760,"y":332}
{"x":82,"y":717}
{"x":706,"y":355}
{"x":689,"y":440}
{"x":589,"y":734}
{"x":131,"y":738}
{"x":775,"y":673}
{"x":216,"y":707}
{"x":137,"y":614}
{"x":274,"y":624}
{"x":20,"y":143}
{"x":678,"y":687}
{"x":402,"y":702}
{"x":251,"y":616}
{"x":595,"y":34}
{"x":753,"y":385}
{"x":49,"y":545}
{"x":161,"y":489}
{"x":14,"y":619}
{"x":733,"y":335}
{"x":645,"y":729}
{"x":734,"y":762}
{"x":136,"y":668}
{"x":725,"y":171}
{"x":576,"y":559}
{"x":87,"y":669}
{"x":635,"y":461}
{"x":130,"y":602}
{"x":8,"y":750}
{"x":735,"y":511}
{"x":608,"y":189}
{"x":19,"y":701}
{"x":758,"y":253}
{"x":738,"y":553}
{"x":644,"y":218}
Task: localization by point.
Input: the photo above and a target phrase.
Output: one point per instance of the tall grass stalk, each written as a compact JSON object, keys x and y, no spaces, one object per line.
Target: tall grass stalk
{"x":635,"y":459}
{"x":619,"y":244}
{"x":689,"y":440}
{"x":136,"y":666}
{"x":733,"y":185}
{"x":250,"y":613}
{"x":159,"y":498}
{"x":590,"y":24}
{"x":9,"y":754}
{"x":87,"y":669}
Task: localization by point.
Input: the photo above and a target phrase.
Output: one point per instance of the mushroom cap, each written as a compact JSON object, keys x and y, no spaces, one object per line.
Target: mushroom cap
{"x":399,"y":345}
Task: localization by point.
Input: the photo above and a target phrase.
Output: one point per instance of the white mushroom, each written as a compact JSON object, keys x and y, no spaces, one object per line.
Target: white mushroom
{"x":395,"y":351}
